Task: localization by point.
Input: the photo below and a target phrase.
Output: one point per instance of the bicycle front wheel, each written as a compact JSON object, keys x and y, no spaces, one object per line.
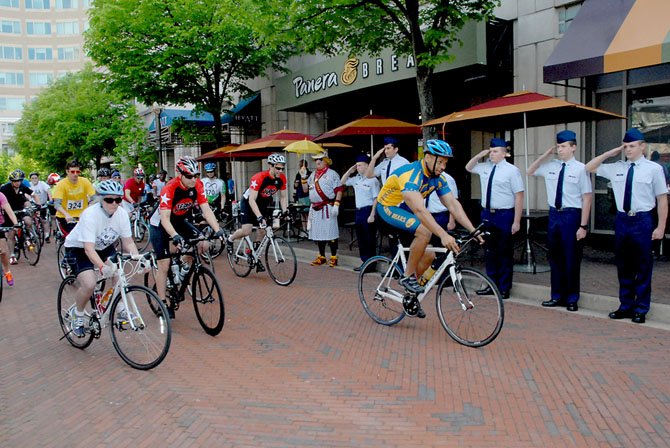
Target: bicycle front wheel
{"x":31,"y":246}
{"x":67,"y":293}
{"x":141,"y":336}
{"x":470,"y":319}
{"x":141,"y":234}
{"x":63,"y":267}
{"x":208,"y":301}
{"x":240,"y":259}
{"x":377,"y":282}
{"x":281,"y":262}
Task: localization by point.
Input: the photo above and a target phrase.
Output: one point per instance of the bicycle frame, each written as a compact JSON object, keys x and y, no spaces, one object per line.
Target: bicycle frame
{"x":256,"y":252}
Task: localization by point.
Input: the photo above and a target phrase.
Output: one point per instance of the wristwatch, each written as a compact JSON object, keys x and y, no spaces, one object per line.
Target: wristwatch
{"x":584,"y":226}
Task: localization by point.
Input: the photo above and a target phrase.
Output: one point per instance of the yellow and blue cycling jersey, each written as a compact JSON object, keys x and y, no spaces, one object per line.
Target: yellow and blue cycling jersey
{"x":411,"y":177}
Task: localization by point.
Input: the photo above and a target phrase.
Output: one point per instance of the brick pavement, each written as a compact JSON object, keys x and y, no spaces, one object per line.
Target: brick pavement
{"x":304,"y":366}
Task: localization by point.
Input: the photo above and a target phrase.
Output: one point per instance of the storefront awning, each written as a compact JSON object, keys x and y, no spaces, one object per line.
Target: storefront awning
{"x":609,"y":36}
{"x":201,"y":119}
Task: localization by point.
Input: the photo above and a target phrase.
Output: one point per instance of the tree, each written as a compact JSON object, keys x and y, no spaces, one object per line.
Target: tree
{"x":424,"y":29}
{"x":78,"y":116}
{"x":183,"y":52}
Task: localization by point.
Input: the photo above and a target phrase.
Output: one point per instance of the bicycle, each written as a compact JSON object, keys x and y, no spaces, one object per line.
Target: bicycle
{"x":196,"y":280}
{"x":280,"y":259}
{"x":293,"y":228}
{"x":470,"y":319}
{"x":141,"y":331}
{"x":26,"y":239}
{"x":139,"y":220}
{"x":2,"y":270}
{"x":59,"y":236}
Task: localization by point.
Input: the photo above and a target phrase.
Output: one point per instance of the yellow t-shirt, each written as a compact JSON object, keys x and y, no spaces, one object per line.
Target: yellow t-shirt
{"x":74,"y":196}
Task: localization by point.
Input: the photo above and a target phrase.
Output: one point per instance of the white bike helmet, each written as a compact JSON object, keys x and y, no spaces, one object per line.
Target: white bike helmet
{"x":276,"y":158}
{"x":109,"y":188}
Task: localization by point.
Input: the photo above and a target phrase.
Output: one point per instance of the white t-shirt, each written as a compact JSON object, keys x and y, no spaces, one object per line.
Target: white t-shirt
{"x":95,"y":226}
{"x":41,"y":190}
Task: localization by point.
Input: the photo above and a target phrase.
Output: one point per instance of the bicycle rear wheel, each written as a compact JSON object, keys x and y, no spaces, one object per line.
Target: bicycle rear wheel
{"x":141,"y":337}
{"x":281,"y":262}
{"x":470,"y":319}
{"x":31,"y":246}
{"x":378,"y":276}
{"x":208,"y":301}
{"x":141,"y":234}
{"x":240,"y":259}
{"x":63,"y":267}
{"x":66,"y":298}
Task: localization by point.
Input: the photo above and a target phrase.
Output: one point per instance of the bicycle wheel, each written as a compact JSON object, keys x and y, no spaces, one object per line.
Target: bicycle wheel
{"x":31,"y":248}
{"x":64,"y":268}
{"x":241,"y":258}
{"x":378,"y":277}
{"x":207,"y":301}
{"x":66,"y":298}
{"x":39,"y":228}
{"x":140,"y":336}
{"x":470,"y":319}
{"x":280,"y":261}
{"x":141,"y":234}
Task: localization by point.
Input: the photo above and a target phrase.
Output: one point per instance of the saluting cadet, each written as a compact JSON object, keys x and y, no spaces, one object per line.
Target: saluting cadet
{"x":392,"y":160}
{"x":502,"y":205}
{"x":365,"y":194}
{"x":569,"y":195}
{"x":639,"y":186}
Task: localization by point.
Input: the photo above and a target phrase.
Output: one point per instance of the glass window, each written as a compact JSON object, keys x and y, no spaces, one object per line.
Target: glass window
{"x":68,"y":54}
{"x":11,"y":78}
{"x":40,"y":54}
{"x":11,"y":53}
{"x":67,"y":28}
{"x":9,"y":3}
{"x":40,"y":79}
{"x":10,"y":26}
{"x":38,"y":28}
{"x":37,"y":4}
{"x":86,"y":4}
{"x":8,"y":103}
{"x":66,"y":4}
{"x":566,"y":16}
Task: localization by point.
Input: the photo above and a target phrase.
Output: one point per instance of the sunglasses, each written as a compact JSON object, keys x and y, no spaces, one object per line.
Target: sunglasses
{"x":112,"y":200}
{"x":279,"y":168}
{"x":74,"y":171}
{"x":190,"y":176}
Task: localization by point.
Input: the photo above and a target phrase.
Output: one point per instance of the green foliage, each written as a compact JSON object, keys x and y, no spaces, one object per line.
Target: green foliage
{"x":10,"y":163}
{"x":182,"y":52}
{"x":77,"y":116}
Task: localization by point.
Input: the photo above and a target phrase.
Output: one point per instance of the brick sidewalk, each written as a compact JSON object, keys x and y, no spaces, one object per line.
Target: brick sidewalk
{"x":304,"y":366}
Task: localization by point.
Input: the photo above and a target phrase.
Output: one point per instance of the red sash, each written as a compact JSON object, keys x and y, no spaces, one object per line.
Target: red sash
{"x":326,"y":200}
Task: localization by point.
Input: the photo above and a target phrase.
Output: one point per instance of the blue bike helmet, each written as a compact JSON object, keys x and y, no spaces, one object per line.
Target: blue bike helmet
{"x":438,"y":148}
{"x":210,"y":166}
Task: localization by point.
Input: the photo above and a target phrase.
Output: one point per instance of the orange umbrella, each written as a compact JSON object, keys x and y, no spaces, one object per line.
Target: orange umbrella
{"x":217,"y":153}
{"x":278,"y":140}
{"x":372,"y":125}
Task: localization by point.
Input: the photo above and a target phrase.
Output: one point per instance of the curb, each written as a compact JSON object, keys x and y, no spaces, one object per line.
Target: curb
{"x":593,"y":305}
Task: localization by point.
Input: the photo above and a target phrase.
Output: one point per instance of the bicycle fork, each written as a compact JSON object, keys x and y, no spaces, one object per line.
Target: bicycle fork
{"x":461,"y":293}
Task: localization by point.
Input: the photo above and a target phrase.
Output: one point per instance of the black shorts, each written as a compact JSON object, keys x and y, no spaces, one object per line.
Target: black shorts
{"x":160,"y":240}
{"x":78,"y":261}
{"x":247,"y":215}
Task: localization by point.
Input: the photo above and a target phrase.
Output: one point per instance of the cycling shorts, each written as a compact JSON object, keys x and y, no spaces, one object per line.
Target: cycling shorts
{"x":160,"y":240}
{"x":78,"y":261}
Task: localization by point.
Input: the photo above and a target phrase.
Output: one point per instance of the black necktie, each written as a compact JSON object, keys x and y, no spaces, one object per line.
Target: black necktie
{"x":489,"y":188}
{"x":559,"y":188}
{"x":388,"y":170}
{"x":628,"y":191}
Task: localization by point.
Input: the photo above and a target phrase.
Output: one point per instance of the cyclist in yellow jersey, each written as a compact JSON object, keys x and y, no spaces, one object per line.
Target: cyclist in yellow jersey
{"x":71,"y":196}
{"x":401,"y":205}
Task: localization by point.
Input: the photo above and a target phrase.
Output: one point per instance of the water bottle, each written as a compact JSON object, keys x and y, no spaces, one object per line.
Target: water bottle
{"x":183,"y":271}
{"x":428,"y":273}
{"x":235,"y":208}
{"x":175,"y":272}
{"x":275,"y":219}
{"x":98,"y":300}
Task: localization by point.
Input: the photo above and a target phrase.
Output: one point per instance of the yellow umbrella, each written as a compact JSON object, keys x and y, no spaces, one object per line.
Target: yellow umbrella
{"x":304,"y":147}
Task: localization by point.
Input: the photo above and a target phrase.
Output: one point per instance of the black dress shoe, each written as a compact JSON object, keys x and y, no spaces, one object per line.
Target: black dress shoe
{"x":552,"y":303}
{"x":639,"y":318}
{"x":484,"y":291}
{"x":620,"y":314}
{"x":572,"y":307}
{"x":357,"y":269}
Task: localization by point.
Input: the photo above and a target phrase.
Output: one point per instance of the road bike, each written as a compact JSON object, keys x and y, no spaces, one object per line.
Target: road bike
{"x":194,"y":279}
{"x":139,"y":221}
{"x":280,"y":260}
{"x":469,"y":304}
{"x":26,"y":238}
{"x":140,"y":326}
{"x":64,"y":268}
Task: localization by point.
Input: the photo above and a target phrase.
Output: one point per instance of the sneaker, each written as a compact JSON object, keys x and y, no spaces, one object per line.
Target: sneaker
{"x":411,"y":284}
{"x":229,"y":247}
{"x":12,"y":260}
{"x":318,"y":261}
{"x":9,"y":278}
{"x":77,"y":322}
{"x":47,"y":239}
{"x":333,"y":261}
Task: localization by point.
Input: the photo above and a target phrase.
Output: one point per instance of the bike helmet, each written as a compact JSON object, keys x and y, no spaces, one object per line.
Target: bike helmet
{"x":276,"y":158}
{"x":438,"y":148}
{"x":138,"y":172}
{"x":163,"y":172}
{"x":109,"y":187}
{"x":34,"y":173}
{"x":104,"y":172}
{"x":187,"y":165}
{"x":116,"y":174}
{"x":17,"y":175}
{"x":53,"y":179}
{"x":210,"y":166}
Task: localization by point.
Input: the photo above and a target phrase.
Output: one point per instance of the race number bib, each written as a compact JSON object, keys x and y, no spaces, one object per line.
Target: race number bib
{"x":75,"y":205}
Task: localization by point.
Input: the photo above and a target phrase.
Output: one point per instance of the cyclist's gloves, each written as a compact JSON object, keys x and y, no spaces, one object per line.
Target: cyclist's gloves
{"x":261,"y":222}
{"x":219,"y":234}
{"x":107,"y":270}
{"x":285,"y":214}
{"x":178,"y":240}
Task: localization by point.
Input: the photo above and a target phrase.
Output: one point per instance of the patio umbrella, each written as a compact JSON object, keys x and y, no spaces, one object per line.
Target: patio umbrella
{"x":217,"y":153}
{"x":304,"y":147}
{"x":276,"y":140}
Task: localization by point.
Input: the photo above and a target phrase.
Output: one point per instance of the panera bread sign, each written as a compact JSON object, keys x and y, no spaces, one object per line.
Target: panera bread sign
{"x":353,"y":69}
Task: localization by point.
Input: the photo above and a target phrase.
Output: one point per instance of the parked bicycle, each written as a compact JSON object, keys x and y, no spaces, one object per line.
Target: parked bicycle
{"x":141,"y":331}
{"x":280,"y":260}
{"x":469,"y":318}
{"x":294,"y":227}
{"x":196,"y":280}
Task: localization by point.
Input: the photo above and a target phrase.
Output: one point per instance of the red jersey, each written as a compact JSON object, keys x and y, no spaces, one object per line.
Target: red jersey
{"x":179,"y":201}
{"x":266,"y":186}
{"x":136,"y":189}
